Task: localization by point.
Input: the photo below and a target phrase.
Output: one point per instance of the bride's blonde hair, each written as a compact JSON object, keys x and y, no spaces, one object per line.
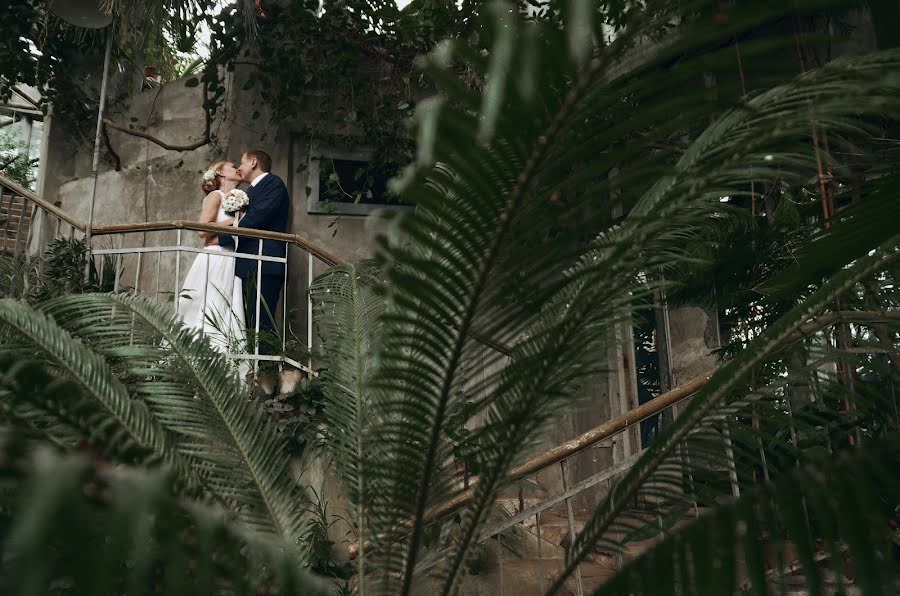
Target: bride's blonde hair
{"x":210,"y":184}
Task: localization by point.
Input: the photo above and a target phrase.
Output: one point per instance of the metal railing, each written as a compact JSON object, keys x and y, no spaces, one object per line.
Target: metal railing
{"x":154,"y":264}
{"x":27,"y":224}
{"x":147,"y":259}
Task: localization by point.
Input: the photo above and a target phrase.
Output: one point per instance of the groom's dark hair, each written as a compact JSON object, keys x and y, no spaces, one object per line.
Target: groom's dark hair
{"x":263,"y":159}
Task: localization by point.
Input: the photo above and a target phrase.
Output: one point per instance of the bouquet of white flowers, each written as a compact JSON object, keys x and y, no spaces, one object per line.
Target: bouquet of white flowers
{"x":235,"y":200}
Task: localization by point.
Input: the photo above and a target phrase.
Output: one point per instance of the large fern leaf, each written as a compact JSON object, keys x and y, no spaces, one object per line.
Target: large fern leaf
{"x":106,"y":531}
{"x":196,"y":396}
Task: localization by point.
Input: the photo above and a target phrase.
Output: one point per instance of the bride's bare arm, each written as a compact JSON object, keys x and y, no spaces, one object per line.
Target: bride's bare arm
{"x":208,"y":212}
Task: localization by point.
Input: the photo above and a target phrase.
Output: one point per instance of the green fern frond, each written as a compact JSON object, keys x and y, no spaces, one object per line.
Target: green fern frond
{"x":107,"y":531}
{"x":489,"y":248}
{"x":348,"y":319}
{"x":102,"y":407}
{"x":829,"y":513}
{"x":197,"y":397}
{"x":49,"y":424}
{"x":701,"y":431}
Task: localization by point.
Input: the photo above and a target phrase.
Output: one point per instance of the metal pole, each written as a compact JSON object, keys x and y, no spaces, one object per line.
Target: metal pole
{"x":309,"y":309}
{"x":259,"y":264}
{"x":284,"y":293}
{"x":95,"y":168}
{"x":537,"y":527}
{"x":177,"y":268}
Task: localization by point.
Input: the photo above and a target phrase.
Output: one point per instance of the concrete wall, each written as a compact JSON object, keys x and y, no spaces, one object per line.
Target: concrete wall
{"x":157,"y":184}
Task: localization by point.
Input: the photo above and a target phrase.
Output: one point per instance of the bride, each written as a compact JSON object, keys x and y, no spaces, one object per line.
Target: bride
{"x":212,"y":299}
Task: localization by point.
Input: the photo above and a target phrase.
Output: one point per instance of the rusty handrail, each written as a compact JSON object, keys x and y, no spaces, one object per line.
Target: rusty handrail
{"x":583,"y":441}
{"x":184,"y":224}
{"x":30,"y":196}
{"x":569,"y":448}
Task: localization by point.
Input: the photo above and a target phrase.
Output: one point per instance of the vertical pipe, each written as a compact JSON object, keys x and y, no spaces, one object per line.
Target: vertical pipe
{"x":177,"y":267}
{"x":732,"y":467}
{"x":158,"y":263}
{"x":208,"y":257}
{"x":571,"y":519}
{"x":537,"y":527}
{"x":258,"y":302}
{"x":309,"y":309}
{"x":95,"y":167}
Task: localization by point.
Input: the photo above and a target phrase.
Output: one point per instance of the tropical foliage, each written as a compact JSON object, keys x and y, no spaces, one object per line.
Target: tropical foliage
{"x":587,"y":168}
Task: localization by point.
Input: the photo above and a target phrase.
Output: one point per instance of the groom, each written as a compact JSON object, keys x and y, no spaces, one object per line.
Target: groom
{"x":268,"y":210}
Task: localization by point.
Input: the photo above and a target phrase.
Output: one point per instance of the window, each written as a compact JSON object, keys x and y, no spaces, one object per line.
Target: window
{"x":348,"y":182}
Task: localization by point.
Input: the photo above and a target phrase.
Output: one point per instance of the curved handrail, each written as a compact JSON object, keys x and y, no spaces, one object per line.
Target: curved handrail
{"x":583,"y":441}
{"x":569,"y":448}
{"x":184,"y":224}
{"x":27,"y":194}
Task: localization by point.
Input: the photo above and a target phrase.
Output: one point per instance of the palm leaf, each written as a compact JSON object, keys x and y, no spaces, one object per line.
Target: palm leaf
{"x":831,"y":511}
{"x":102,"y":407}
{"x":197,"y":396}
{"x":50,"y":423}
{"x":348,"y":319}
{"x":660,"y":472}
{"x":122,"y":530}
{"x":471,"y":259}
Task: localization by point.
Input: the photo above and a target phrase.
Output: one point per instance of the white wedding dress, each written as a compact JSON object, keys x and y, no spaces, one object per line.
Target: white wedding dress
{"x":212,"y":298}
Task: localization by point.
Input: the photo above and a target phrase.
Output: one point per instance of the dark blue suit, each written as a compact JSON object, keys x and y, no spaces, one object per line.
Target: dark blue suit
{"x":269,"y":210}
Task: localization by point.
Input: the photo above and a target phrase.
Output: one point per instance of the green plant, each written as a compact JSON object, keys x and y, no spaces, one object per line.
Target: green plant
{"x":15,"y":164}
{"x":59,"y":271}
{"x":182,"y":406}
{"x":515,"y":235}
{"x":546,"y":199}
{"x":296,"y":415}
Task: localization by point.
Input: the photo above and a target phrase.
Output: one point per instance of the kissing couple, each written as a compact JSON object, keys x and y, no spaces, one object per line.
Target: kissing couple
{"x":219,"y":294}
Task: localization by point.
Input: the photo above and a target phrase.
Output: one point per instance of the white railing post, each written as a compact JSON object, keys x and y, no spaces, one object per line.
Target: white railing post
{"x":258,"y":302}
{"x":309,"y":309}
{"x":284,"y":301}
{"x":177,"y":268}
{"x":537,"y":528}
{"x":206,"y":256}
{"x":158,"y":263}
{"x":732,"y":467}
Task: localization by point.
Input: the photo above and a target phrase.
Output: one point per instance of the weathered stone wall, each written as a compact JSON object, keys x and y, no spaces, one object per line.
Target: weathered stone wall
{"x":155,"y":184}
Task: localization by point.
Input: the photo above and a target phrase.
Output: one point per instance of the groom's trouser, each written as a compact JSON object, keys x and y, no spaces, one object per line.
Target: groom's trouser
{"x":269,"y":290}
